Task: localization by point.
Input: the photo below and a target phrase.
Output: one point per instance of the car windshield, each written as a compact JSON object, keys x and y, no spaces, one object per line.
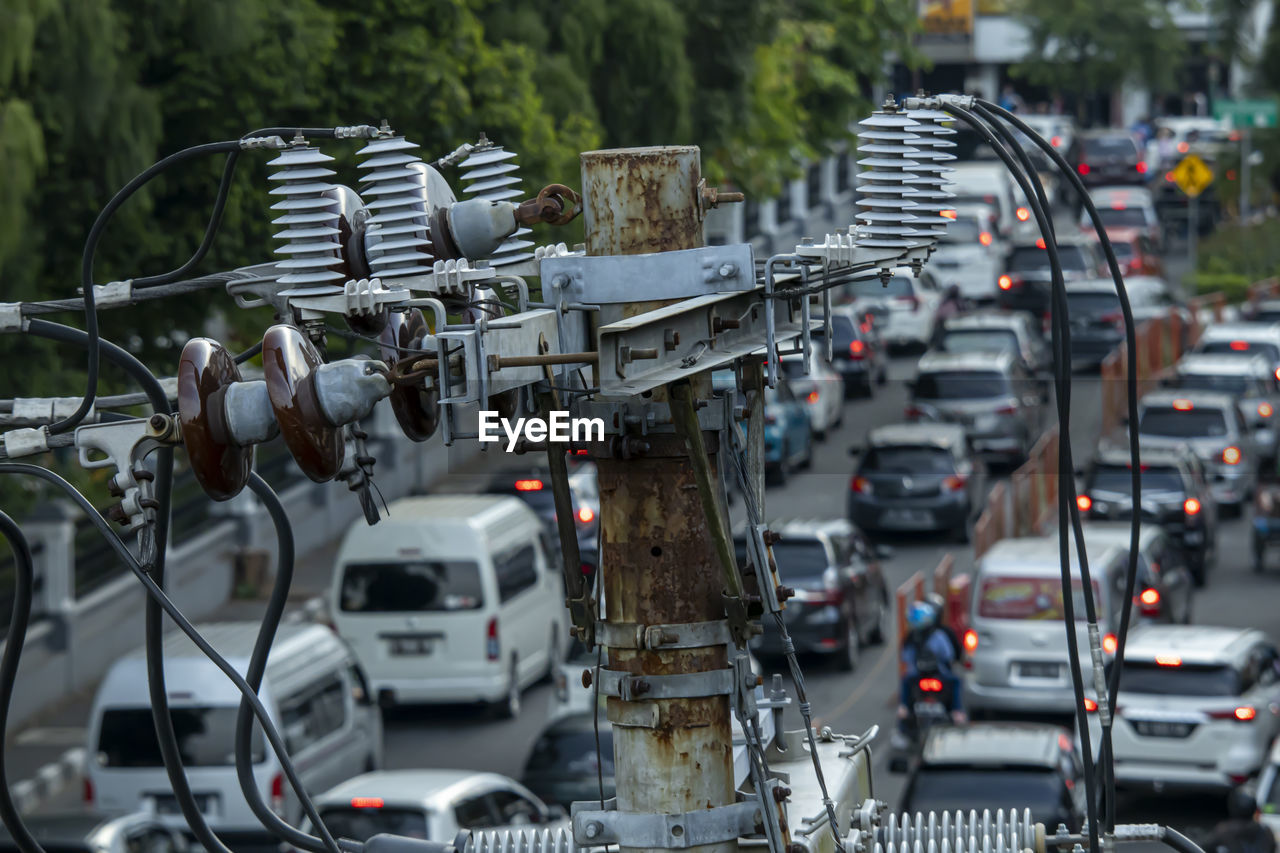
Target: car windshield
{"x":1265,"y":315}
{"x":944,"y":789}
{"x":361,"y":824}
{"x":1083,"y":305}
{"x":572,"y":753}
{"x":1116,"y":478}
{"x":979,"y":340}
{"x":1109,"y":146}
{"x":1124,"y":251}
{"x":962,"y":231}
{"x":1239,"y":347}
{"x":909,"y":460}
{"x":1179,"y":680}
{"x":1037,"y":599}
{"x":1185,"y":422}
{"x":800,"y":559}
{"x":413,"y":586}
{"x":1032,"y":258}
{"x":1122,"y":217}
{"x":1226,"y":383}
{"x":871,"y":288}
{"x":962,"y":385}
{"x":205,"y":737}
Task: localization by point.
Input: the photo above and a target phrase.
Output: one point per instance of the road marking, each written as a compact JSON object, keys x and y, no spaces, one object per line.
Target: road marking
{"x":859,"y":691}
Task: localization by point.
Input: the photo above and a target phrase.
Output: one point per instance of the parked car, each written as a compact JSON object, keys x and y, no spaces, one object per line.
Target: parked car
{"x":905,"y":308}
{"x":984,"y":331}
{"x":1250,"y":380}
{"x":428,"y":804}
{"x":917,"y":476}
{"x":1175,"y":495}
{"x":315,"y":693}
{"x":969,"y":256}
{"x":999,"y":766}
{"x":565,"y":766}
{"x":857,"y":353}
{"x":1110,"y":157}
{"x":1123,"y":211}
{"x":1164,"y":583}
{"x":451,"y":599}
{"x":87,"y":832}
{"x":1211,"y":424}
{"x":1026,"y":282}
{"x":788,"y":434}
{"x":821,"y":389}
{"x":1016,"y":657}
{"x":1242,"y":339}
{"x":1198,"y":709}
{"x":991,"y":394}
{"x":841,"y":602}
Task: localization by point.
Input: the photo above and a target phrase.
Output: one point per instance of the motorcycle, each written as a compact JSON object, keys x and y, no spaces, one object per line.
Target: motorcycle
{"x":931,"y":696}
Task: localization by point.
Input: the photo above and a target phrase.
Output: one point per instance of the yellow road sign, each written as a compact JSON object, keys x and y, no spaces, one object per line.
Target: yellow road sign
{"x":1192,"y":175}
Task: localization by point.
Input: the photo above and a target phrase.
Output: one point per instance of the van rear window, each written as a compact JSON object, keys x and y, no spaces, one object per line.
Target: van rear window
{"x":1179,"y":680}
{"x":361,"y":824}
{"x":206,"y":737}
{"x":411,"y":587}
{"x":1030,"y":598}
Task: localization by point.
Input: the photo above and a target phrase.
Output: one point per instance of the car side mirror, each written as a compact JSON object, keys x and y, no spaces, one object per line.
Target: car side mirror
{"x":884,"y":552}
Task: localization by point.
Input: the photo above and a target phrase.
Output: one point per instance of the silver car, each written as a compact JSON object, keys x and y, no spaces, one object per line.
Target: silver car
{"x":1211,"y":424}
{"x":90,"y":832}
{"x":1250,"y":380}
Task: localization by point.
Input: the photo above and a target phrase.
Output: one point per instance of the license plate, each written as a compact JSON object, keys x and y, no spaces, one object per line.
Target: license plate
{"x":907,"y":518}
{"x":168,"y":803}
{"x":411,"y":645}
{"x":1162,"y":728}
{"x":1038,"y":670}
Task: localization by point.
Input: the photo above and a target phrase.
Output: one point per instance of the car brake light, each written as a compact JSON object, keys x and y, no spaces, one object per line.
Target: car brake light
{"x":1040,"y":243}
{"x":1168,"y":660}
{"x":1110,"y":644}
{"x":1264,"y":410}
{"x":985,"y":238}
{"x":954,"y":483}
{"x":947,"y":214}
{"x":1084,"y":502}
{"x":1023,"y":214}
{"x":1007,"y":410}
{"x":1278,"y":373}
{"x":1150,"y":600}
{"x":970,"y":640}
{"x":812,"y":397}
{"x":1183,"y":148}
{"x":1055,"y":141}
{"x":912,"y":412}
{"x":931,"y":685}
{"x":1090,"y":706}
{"x":1141,"y":167}
{"x":1239,"y":346}
{"x":586,"y":515}
{"x":857,"y":350}
{"x":1182,"y":405}
{"x":528,"y":485}
{"x":1231,"y":455}
{"x":491,"y":645}
{"x":366,"y":802}
{"x":277,"y":793}
{"x":1005,"y":282}
{"x":1243,"y":714}
{"x":861,"y":485}
{"x":1191,"y":506}
{"x":1168,"y":176}
{"x":87,"y":791}
{"x":1083,"y":168}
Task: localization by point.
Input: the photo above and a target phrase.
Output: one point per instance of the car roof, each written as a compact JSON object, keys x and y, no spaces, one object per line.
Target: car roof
{"x":1193,"y":643}
{"x":1038,"y":555}
{"x":432,"y":789}
{"x":1091,"y":285}
{"x":1100,"y":132}
{"x":905,"y":434}
{"x":986,"y":320}
{"x":1108,"y":194}
{"x":476,"y":510}
{"x":934,"y":360}
{"x":995,"y":745}
{"x":1117,"y":533}
{"x":1243,"y":330}
{"x":1114,"y":454}
{"x":1221,"y":364}
{"x":1207,"y":399}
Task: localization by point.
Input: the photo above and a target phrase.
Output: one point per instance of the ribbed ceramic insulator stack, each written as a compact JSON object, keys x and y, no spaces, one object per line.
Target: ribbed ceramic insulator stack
{"x":398,"y":234}
{"x":489,"y":172}
{"x":310,"y":218}
{"x":886,"y":208}
{"x":1001,"y":831}
{"x":930,"y":187}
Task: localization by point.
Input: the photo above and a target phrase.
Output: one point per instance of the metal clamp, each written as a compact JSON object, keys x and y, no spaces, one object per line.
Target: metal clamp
{"x":125,"y":444}
{"x":667,"y":831}
{"x":687,"y":685}
{"x":11,"y":319}
{"x":689,"y":635}
{"x":113,"y":293}
{"x":680,"y":274}
{"x":449,"y":277}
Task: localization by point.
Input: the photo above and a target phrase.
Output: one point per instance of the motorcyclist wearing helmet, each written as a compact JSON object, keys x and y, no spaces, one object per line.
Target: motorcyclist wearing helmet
{"x":928,"y":647}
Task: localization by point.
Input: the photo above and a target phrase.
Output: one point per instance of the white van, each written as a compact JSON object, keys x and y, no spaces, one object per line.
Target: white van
{"x":988,"y":183}
{"x":451,"y":599}
{"x":313,"y":691}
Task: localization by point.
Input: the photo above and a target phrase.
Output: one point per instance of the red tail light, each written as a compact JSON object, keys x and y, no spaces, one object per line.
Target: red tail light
{"x":985,"y":238}
{"x":1242,"y":714}
{"x":1007,"y":410}
{"x":947,"y":214}
{"x":1083,"y":168}
{"x":1055,"y":141}
{"x":1005,"y":282}
{"x":954,"y":483}
{"x":492,"y":649}
{"x":1090,"y":706}
{"x":861,"y":485}
{"x":1023,"y":214}
{"x":1141,"y":167}
{"x":812,"y":397}
{"x":277,"y":793}
{"x":586,"y":515}
{"x":1191,"y":506}
{"x":87,"y":791}
{"x":1150,"y":602}
{"x":1183,"y":148}
{"x":366,"y":802}
{"x":1278,"y":373}
{"x":970,"y":640}
{"x":1040,"y":244}
{"x":821,"y":597}
{"x":1231,"y":455}
{"x":1264,"y":410}
{"x":1168,"y":176}
{"x":930,"y":685}
{"x":857,"y":350}
{"x":1084,"y":502}
{"x":912,"y":412}
{"x":528,"y":485}
{"x":1110,"y":644}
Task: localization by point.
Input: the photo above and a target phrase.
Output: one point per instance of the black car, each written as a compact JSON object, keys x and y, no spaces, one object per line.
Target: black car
{"x":920,"y":476}
{"x":533,"y":486}
{"x":1097,"y":325}
{"x":1026,"y":281}
{"x":1175,"y":495}
{"x":1110,"y":157}
{"x":857,"y":352}
{"x":999,"y":766}
{"x":565,"y":765}
{"x":841,"y":601}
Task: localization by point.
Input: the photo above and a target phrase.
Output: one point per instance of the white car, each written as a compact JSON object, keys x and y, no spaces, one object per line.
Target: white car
{"x":1199,"y":706}
{"x":1059,"y":130}
{"x":821,"y":391}
{"x":970,"y":255}
{"x":905,"y":309}
{"x":988,"y":182}
{"x":1242,"y":339}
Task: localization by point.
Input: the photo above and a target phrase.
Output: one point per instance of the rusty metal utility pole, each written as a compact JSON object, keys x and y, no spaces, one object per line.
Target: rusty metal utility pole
{"x":658,"y":562}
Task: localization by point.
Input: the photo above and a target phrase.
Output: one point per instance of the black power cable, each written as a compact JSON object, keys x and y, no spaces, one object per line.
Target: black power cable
{"x":1060,"y":334}
{"x":210,"y":231}
{"x":23,"y":580}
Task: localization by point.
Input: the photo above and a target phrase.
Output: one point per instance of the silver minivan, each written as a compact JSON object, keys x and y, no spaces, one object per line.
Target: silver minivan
{"x":1016,"y":645}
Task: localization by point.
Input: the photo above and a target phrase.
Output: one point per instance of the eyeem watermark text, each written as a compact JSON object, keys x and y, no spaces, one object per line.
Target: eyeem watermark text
{"x":559,"y":427}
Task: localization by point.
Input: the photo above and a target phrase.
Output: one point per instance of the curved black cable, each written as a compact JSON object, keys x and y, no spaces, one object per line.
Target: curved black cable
{"x":171,"y":610}
{"x":24,"y":579}
{"x":1060,"y":344}
{"x":1172,"y":838}
{"x":210,"y":231}
{"x":258,"y":667}
{"x":249,"y":353}
{"x":86,"y":268}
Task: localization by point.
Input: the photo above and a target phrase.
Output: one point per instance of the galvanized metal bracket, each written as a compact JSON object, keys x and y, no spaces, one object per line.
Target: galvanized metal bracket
{"x":690,"y":635}
{"x":685,"y":685}
{"x":595,"y":827}
{"x":680,"y":274}
{"x":454,"y":277}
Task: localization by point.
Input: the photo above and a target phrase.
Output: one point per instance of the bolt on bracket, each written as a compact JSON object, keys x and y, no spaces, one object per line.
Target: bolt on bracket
{"x":595,"y":827}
